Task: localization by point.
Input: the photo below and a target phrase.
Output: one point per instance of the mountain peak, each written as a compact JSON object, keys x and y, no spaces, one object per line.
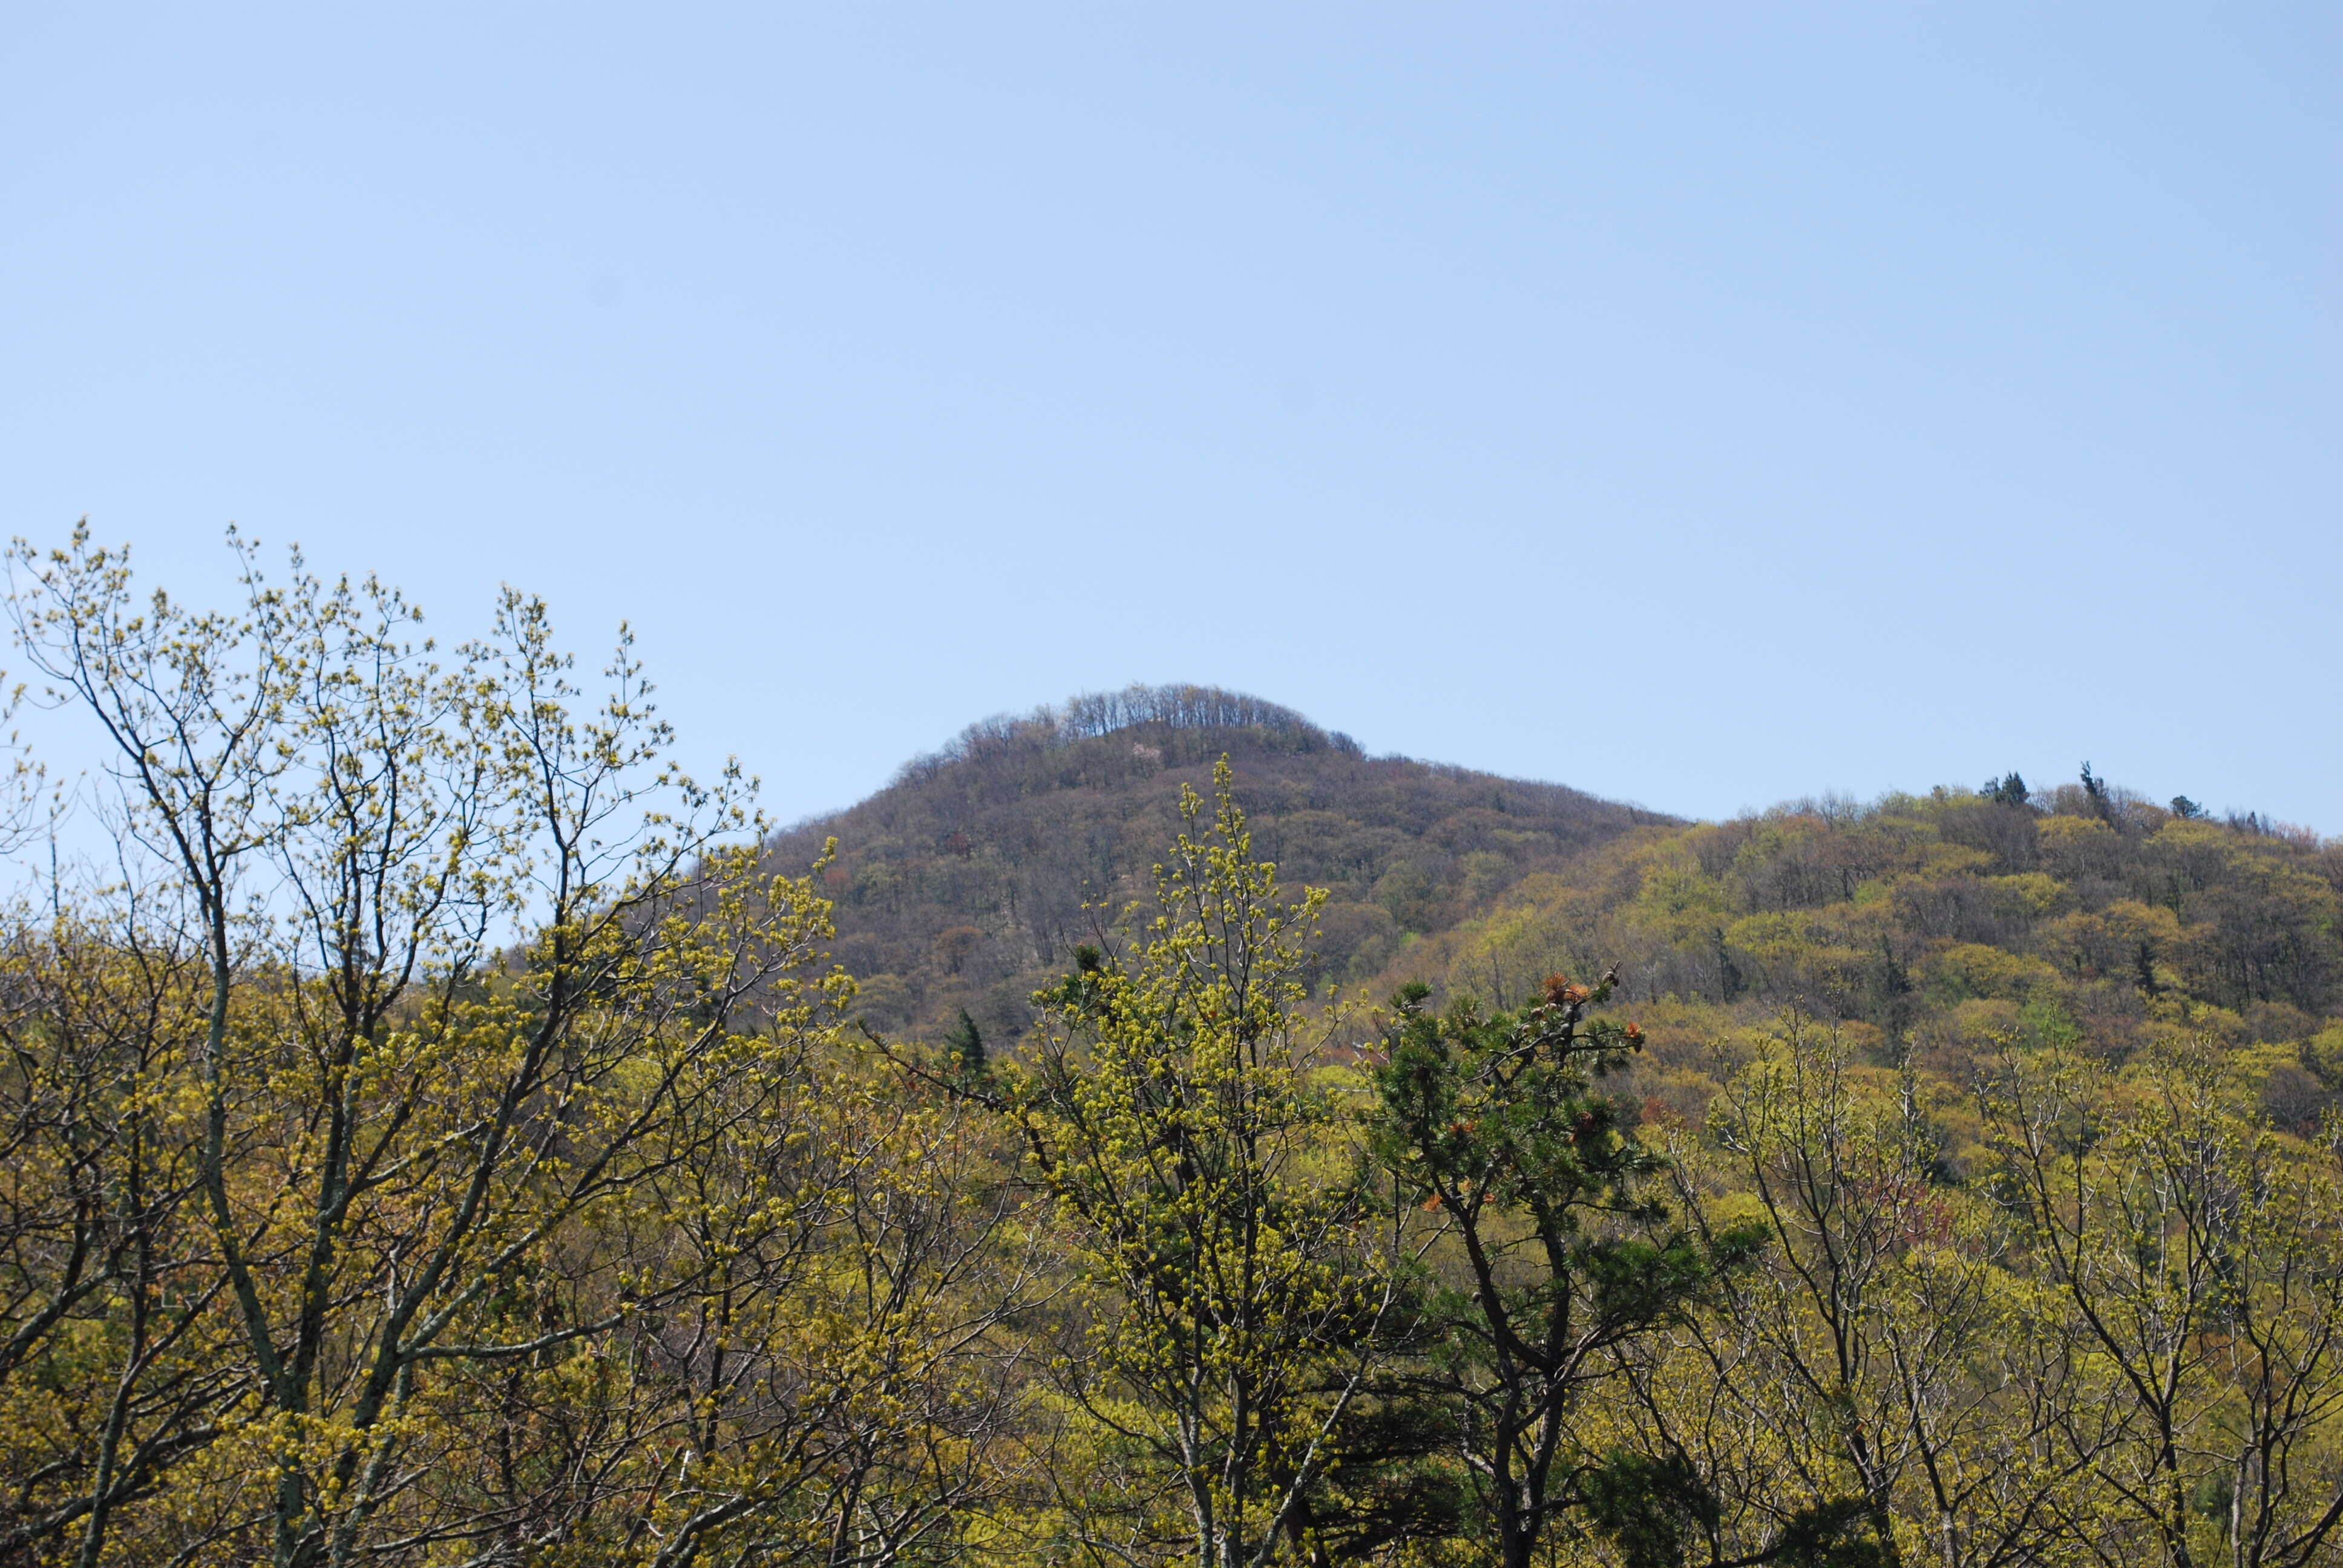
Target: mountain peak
{"x":970,"y":879}
{"x":1095,"y":714}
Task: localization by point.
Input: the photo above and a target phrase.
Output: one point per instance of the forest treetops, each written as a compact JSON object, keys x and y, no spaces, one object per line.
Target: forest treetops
{"x":444,"y":1135}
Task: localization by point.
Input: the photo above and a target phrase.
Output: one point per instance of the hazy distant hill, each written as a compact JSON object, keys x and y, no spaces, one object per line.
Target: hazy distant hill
{"x":964,"y":883}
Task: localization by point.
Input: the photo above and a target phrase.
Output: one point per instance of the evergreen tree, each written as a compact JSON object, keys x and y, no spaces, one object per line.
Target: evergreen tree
{"x":2094,"y":790}
{"x":965,"y":1047}
{"x":1497,"y":1124}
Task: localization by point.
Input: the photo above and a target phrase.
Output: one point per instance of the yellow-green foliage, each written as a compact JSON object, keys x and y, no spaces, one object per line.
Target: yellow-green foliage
{"x":437,"y":1137}
{"x":1176,"y":1110}
{"x":1933,"y":926}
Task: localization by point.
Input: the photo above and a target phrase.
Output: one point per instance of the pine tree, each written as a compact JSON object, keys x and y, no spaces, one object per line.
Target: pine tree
{"x":1498,"y":1123}
{"x":965,"y":1047}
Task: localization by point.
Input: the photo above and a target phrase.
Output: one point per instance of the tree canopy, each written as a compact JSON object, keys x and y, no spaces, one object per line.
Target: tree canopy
{"x":442,"y":1131}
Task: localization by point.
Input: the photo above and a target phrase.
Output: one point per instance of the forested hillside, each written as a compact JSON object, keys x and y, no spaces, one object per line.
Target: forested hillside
{"x":1930,"y":929}
{"x":1922,"y":927}
{"x":441,"y":1134}
{"x":969,"y":881}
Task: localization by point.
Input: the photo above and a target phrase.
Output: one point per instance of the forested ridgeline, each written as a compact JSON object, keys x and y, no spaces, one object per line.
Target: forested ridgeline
{"x":1926,"y":931}
{"x":971,"y":880}
{"x":436,"y":1136}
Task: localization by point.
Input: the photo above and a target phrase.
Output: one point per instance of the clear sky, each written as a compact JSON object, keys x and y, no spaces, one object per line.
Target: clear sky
{"x":1699,"y":406}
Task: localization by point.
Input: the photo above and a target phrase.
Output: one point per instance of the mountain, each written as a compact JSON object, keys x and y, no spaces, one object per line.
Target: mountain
{"x":1930,"y":931}
{"x":1937,"y":932}
{"x":969,"y":880}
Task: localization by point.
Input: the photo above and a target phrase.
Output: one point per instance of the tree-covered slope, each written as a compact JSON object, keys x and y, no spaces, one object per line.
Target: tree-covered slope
{"x":1949,"y":1180}
{"x":1934,"y":930}
{"x":1926,"y":927}
{"x":967,"y":881}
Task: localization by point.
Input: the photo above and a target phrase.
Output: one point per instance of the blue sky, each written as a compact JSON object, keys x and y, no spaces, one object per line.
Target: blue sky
{"x":1699,"y":406}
